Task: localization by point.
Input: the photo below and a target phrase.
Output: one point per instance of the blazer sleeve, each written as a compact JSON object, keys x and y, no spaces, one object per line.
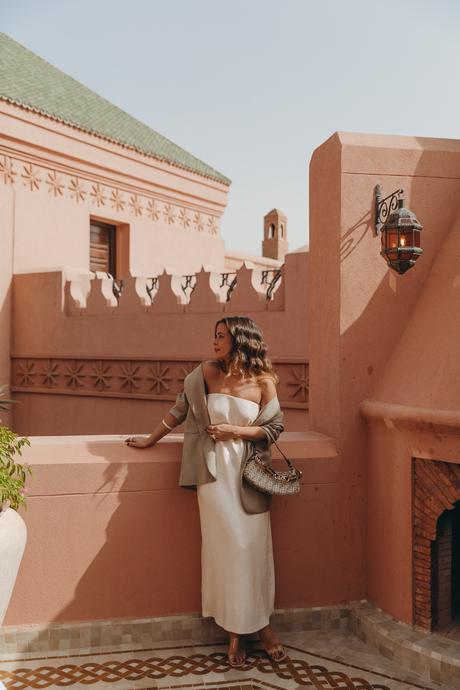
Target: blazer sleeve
{"x":273,"y":428}
{"x":180,"y":409}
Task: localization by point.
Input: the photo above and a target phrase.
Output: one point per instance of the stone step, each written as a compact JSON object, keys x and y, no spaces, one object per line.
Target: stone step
{"x":430,"y":655}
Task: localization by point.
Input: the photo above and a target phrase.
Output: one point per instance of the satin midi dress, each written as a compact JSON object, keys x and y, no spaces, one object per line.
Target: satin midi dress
{"x":237,"y":571}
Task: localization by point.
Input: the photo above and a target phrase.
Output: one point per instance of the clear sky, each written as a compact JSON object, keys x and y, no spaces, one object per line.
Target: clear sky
{"x":252,"y":87}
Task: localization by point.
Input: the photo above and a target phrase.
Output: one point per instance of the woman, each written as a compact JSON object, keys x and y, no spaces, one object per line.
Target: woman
{"x":226,"y":404}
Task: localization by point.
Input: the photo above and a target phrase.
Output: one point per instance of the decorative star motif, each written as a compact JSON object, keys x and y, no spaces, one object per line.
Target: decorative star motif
{"x":300,"y":383}
{"x":185,"y":369}
{"x":77,"y":189}
{"x":212,"y":225}
{"x":7,"y":170}
{"x":128,"y":376}
{"x":153,"y":209}
{"x":97,"y":193}
{"x":136,"y":206}
{"x":50,"y":374}
{"x":184,"y":218}
{"x":198,"y":221}
{"x":31,"y":177}
{"x":101,"y":375}
{"x":117,"y":201}
{"x":74,"y":374}
{"x":168,"y":213}
{"x":159,"y":378}
{"x":55,"y":184}
{"x":26,"y":371}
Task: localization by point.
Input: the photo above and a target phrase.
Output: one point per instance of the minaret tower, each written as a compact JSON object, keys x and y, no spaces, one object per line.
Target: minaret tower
{"x":275,"y":244}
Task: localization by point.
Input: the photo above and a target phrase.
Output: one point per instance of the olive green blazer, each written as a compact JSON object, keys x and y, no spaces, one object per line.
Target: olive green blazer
{"x":199,"y":456}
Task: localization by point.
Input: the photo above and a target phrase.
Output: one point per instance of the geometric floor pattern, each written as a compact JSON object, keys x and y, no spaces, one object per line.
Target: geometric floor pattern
{"x":205,"y":667}
{"x":156,"y":668}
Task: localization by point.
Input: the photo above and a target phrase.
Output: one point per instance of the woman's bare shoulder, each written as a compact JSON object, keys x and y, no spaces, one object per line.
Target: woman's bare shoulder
{"x":210,"y":369}
{"x":267,"y":388}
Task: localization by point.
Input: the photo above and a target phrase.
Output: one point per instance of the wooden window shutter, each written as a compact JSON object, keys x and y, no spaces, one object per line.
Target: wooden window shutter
{"x":102,"y":247}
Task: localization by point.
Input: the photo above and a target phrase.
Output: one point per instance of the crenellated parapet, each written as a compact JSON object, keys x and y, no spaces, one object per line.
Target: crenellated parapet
{"x":247,"y":289}
{"x":127,"y":345}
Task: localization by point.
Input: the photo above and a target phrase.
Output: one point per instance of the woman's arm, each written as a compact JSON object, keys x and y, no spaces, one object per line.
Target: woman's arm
{"x":173,"y":418}
{"x":225,"y":432}
{"x":249,"y":433}
{"x":158,"y":433}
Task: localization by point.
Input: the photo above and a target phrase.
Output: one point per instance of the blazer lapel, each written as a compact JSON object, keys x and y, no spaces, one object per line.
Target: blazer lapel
{"x":196,"y":396}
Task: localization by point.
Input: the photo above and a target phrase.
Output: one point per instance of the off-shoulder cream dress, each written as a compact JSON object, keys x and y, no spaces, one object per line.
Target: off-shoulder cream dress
{"x":237,"y":580}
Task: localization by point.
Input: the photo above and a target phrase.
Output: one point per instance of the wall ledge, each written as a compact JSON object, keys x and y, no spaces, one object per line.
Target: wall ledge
{"x":104,"y":448}
{"x":410,"y":416}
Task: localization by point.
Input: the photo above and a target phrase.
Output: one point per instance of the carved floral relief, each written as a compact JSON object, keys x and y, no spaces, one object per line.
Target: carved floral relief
{"x":60,"y":185}
{"x":135,"y":378}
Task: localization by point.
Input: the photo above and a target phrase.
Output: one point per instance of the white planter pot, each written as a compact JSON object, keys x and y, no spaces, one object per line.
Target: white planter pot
{"x":13,"y":536}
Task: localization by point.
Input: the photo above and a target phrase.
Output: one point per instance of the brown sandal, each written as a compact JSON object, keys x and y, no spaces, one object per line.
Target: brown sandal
{"x":232,"y":654}
{"x":276,"y":654}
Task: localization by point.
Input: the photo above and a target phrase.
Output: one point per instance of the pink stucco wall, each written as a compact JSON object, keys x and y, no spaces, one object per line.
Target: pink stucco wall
{"x":164,"y":206}
{"x":57,"y":327}
{"x":415,"y":406}
{"x":54,"y":178}
{"x":6,"y":274}
{"x":361,"y":339}
{"x":366,"y":335}
{"x":397,"y":434}
{"x":111,"y":535}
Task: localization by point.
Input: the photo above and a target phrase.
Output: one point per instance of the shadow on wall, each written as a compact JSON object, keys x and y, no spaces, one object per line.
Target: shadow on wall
{"x":353,"y":237}
{"x":149,"y":560}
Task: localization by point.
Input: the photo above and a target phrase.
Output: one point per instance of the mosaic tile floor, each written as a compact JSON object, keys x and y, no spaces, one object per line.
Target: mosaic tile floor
{"x":317,"y":659}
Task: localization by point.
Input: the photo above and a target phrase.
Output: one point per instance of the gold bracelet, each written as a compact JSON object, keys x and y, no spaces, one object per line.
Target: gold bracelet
{"x":167,"y":425}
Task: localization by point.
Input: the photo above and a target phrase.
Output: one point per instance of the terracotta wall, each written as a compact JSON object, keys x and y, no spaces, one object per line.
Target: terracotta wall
{"x":419,"y":382}
{"x":6,"y":252}
{"x":62,"y":177}
{"x":234,"y":260}
{"x":366,"y":332}
{"x":55,"y":178}
{"x":397,"y":435}
{"x":84,"y":363}
{"x":111,"y":535}
{"x":359,"y":311}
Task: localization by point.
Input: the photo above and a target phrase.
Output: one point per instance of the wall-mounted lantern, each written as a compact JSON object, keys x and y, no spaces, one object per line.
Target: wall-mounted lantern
{"x":399,"y":230}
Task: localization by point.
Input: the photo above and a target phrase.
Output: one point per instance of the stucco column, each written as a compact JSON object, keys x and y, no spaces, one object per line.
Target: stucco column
{"x":324,"y":287}
{"x":6,"y":272}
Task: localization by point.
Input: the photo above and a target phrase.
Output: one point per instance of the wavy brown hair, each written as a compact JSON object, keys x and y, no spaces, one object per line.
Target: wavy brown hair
{"x":248,"y":354}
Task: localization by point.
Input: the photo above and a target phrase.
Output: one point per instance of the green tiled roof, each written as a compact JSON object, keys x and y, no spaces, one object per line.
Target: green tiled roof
{"x":28,"y":80}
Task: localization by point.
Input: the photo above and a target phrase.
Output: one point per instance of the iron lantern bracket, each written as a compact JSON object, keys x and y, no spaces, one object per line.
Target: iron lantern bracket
{"x":383,"y":207}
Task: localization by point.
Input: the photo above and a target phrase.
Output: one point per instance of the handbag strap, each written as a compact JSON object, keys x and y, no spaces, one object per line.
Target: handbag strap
{"x":290,"y":465}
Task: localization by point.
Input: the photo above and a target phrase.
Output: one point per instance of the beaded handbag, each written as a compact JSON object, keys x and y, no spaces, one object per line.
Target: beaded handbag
{"x":264,"y":478}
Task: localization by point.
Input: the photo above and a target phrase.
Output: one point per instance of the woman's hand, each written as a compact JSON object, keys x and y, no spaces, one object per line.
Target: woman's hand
{"x":221,"y":432}
{"x":138,"y":441}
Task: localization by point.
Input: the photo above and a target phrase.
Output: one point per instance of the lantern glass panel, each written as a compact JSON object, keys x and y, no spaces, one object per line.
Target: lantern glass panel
{"x":390,"y":241}
{"x":416,"y":238}
{"x":404,"y":239}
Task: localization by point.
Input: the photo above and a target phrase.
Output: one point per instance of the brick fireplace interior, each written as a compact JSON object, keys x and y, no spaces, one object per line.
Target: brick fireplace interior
{"x":444,"y":570}
{"x":436,"y":539}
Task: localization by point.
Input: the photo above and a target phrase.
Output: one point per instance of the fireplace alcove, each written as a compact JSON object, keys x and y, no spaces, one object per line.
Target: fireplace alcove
{"x":445,"y":601}
{"x":436,"y":552}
